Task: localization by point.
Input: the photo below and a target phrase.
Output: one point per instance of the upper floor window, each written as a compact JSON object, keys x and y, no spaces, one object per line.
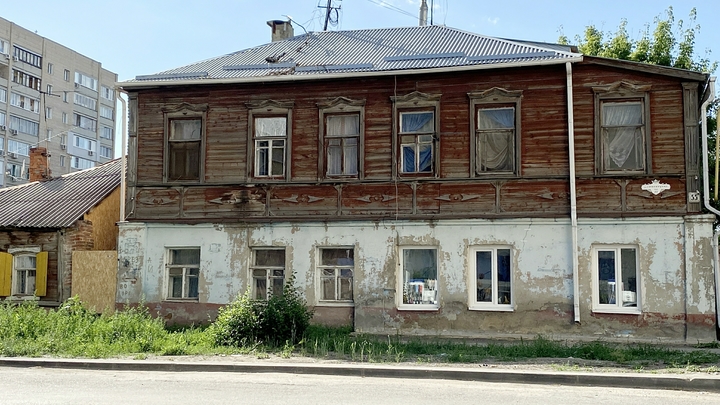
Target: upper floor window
{"x":83,"y":143}
{"x":84,"y":122}
{"x":184,"y":139}
{"x":341,"y":136}
{"x":80,"y":163}
{"x":270,"y":128}
{"x":3,"y":95}
{"x":416,"y":133}
{"x":184,"y":149}
{"x":107,"y":93}
{"x":20,"y":148}
{"x":24,"y":126}
{"x":495,"y":146}
{"x":50,"y":68}
{"x":105,"y":152}
{"x":66,"y":75}
{"x":622,"y":129}
{"x":31,"y":58}
{"x":25,"y":102}
{"x":86,"y":81}
{"x":107,"y":112}
{"x":4,"y":47}
{"x":26,"y":79}
{"x":85,"y":101}
{"x":106,"y":133}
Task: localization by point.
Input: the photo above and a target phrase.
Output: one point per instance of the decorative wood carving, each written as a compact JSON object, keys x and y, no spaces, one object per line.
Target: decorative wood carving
{"x":185,"y":107}
{"x":340,"y":102}
{"x":153,"y":198}
{"x":376,"y":198}
{"x":236,"y":197}
{"x":457,"y":197}
{"x":269,"y":104}
{"x":302,"y":198}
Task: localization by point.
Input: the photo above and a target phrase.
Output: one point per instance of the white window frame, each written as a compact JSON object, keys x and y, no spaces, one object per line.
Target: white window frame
{"x":269,"y":272}
{"x":75,"y":163}
{"x":107,"y":93}
{"x":273,"y":143}
{"x":17,"y":278}
{"x":105,"y":131}
{"x":81,"y":142}
{"x":269,"y":109}
{"x":186,"y":276}
{"x":107,"y":112}
{"x":492,"y":305}
{"x":401,"y":281}
{"x":86,"y":81}
{"x":337,"y":277}
{"x":617,"y":307}
{"x":104,"y":149}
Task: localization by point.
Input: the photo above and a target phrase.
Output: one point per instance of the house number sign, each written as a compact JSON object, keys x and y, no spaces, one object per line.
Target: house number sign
{"x":655,"y":187}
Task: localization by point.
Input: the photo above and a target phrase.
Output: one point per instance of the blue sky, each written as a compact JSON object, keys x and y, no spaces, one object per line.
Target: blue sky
{"x":133,"y":37}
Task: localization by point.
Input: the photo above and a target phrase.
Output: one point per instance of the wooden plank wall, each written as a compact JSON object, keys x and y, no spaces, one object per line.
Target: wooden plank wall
{"x":540,"y":189}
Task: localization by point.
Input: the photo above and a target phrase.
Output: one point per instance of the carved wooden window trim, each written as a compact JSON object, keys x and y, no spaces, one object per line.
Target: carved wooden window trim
{"x":336,"y":107}
{"x":184,"y":111}
{"x":491,"y":99}
{"x":269,"y":109}
{"x":416,"y":102}
{"x":617,"y":93}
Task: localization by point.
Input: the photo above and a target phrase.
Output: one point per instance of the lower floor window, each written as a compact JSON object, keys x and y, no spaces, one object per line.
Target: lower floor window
{"x":419,"y":275}
{"x":336,"y":274}
{"x":25,"y":266}
{"x":268,"y":273}
{"x":23,"y":272}
{"x":615,"y":278}
{"x":183,"y":273}
{"x":490,"y":283}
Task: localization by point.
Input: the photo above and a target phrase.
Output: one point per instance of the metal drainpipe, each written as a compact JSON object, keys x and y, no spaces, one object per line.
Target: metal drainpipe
{"x":706,"y":193}
{"x":573,"y":193}
{"x":123,"y":152}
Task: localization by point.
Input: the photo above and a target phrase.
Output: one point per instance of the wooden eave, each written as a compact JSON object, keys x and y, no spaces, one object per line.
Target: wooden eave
{"x":647,"y":68}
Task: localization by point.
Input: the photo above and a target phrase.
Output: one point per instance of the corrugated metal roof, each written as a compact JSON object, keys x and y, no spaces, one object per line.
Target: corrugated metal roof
{"x":59,"y":202}
{"x":320,"y":54}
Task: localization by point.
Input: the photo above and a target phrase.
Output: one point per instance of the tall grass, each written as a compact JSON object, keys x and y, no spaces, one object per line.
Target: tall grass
{"x":73,"y":331}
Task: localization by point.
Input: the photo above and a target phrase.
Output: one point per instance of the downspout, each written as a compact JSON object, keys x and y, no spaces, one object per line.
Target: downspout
{"x":706,"y":192}
{"x":123,"y":155}
{"x":573,"y":193}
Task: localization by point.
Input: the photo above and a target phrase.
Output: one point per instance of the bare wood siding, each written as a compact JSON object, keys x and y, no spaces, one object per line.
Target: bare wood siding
{"x":540,"y":188}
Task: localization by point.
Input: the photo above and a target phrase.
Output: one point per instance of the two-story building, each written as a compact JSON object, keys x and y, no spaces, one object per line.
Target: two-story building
{"x":423,"y":180}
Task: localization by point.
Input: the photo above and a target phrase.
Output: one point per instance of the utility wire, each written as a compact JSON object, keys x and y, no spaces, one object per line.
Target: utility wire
{"x":381,"y":3}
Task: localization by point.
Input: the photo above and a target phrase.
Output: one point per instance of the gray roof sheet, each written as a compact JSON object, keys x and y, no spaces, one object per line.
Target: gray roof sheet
{"x":59,"y":202}
{"x":322,"y":54}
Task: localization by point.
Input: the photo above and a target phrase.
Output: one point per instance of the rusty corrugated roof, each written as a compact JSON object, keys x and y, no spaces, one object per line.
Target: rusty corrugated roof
{"x":323,"y":54}
{"x":59,"y":202}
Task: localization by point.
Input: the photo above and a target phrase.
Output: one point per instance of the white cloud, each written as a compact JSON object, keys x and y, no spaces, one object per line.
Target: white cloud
{"x":493,"y":20}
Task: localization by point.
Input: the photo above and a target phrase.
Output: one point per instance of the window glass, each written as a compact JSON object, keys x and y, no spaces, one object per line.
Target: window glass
{"x":623,"y":136}
{"x":616,"y":279}
{"x":496,"y":139}
{"x":419,"y":275}
{"x":336,"y":274}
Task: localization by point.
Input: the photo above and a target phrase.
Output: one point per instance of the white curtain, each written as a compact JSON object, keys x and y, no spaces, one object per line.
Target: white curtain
{"x":271,"y":126}
{"x":186,"y":130}
{"x":496,"y":128}
{"x":417,"y":122}
{"x":622,"y":125}
{"x":342,"y":152}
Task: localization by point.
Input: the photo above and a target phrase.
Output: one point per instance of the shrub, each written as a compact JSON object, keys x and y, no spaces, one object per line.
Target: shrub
{"x":279,"y":320}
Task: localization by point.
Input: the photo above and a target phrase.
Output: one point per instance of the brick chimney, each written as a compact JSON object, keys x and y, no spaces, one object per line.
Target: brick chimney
{"x":281,"y":30}
{"x":39,"y":170}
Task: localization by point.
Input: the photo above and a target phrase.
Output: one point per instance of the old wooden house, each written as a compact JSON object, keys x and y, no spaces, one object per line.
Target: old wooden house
{"x":423,"y":180}
{"x":45,"y":223}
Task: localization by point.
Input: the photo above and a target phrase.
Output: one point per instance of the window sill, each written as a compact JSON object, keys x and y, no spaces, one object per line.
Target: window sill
{"x":341,"y":304}
{"x":181,"y":300}
{"x":418,"y":307}
{"x":491,"y":308}
{"x":618,"y":311}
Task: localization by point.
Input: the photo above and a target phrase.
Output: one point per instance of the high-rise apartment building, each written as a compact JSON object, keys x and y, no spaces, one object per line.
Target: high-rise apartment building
{"x":54,"y":97}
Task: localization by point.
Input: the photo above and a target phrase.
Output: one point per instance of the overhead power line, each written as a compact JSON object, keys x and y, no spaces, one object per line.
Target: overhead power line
{"x":381,"y":3}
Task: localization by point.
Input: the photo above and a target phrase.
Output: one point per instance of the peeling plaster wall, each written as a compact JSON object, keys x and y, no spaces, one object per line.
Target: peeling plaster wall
{"x":670,"y":279}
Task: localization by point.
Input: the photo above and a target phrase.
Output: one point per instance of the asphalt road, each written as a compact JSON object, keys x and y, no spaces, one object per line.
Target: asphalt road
{"x":62,"y":386}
